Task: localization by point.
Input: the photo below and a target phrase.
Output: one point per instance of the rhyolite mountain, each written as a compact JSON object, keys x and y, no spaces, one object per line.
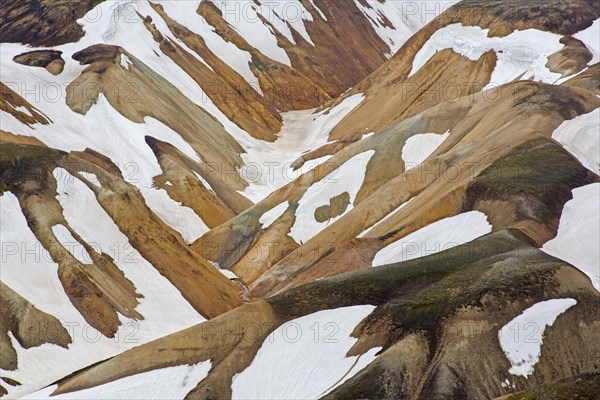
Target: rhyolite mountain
{"x":359,"y":199}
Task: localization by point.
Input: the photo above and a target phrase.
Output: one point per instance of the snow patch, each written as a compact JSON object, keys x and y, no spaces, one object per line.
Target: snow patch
{"x":507,"y":384}
{"x":348,"y":178}
{"x":579,"y":136}
{"x":181,"y":218}
{"x":418,"y":147}
{"x":125,"y":61}
{"x":591,"y":38}
{"x":22,"y":109}
{"x":273,"y":214}
{"x":318,"y":9}
{"x":286,"y":13}
{"x":228,"y":274}
{"x":269,"y":164}
{"x":204,"y":182}
{"x":305,"y":358}
{"x":165,"y":383}
{"x":578,"y":237}
{"x":522,"y":54}
{"x":521,"y":339}
{"x":438,"y":236}
{"x":367,"y":135}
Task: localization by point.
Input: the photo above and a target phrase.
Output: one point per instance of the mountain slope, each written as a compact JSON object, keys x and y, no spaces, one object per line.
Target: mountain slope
{"x":471,"y":285}
{"x":189,"y":190}
{"x":149,"y":126}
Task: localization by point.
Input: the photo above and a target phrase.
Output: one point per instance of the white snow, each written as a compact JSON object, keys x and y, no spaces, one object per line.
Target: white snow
{"x":181,"y":218}
{"x":578,"y":238}
{"x":273,"y":214}
{"x":418,"y":147}
{"x":204,"y":182}
{"x":438,"y":236}
{"x":125,"y":61}
{"x":159,"y":384}
{"x":367,"y":135}
{"x":406,"y":19}
{"x":28,"y":269}
{"x":522,"y":54}
{"x":591,"y":38}
{"x":305,"y":358}
{"x":24,"y":110}
{"x":348,"y":177}
{"x":521,"y":339}
{"x":26,"y":266}
{"x":579,"y":136}
{"x":318,"y":9}
{"x":228,"y":274}
{"x":507,"y":384}
{"x":269,"y":164}
{"x":67,"y":240}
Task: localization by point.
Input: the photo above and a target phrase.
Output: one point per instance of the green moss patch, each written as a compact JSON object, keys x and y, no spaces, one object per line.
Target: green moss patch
{"x":537,"y":177}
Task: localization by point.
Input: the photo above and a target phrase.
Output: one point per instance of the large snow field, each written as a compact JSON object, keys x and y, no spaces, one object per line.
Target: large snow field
{"x":579,"y":136}
{"x":433,"y":238}
{"x":305,"y":358}
{"x":269,"y":165}
{"x":578,"y":238}
{"x":348,"y":177}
